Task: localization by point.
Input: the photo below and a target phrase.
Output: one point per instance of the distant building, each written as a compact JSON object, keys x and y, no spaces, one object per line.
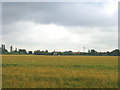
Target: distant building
{"x":3,"y":47}
{"x":56,"y":52}
{"x":15,"y":50}
{"x":75,"y":52}
{"x":11,"y":49}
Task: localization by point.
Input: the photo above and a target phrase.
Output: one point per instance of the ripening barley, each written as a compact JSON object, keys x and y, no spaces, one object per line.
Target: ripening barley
{"x":30,"y":71}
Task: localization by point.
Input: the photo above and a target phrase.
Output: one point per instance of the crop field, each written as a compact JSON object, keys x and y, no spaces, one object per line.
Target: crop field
{"x":35,"y":71}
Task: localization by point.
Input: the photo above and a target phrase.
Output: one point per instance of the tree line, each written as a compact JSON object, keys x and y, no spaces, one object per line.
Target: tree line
{"x":91,"y":52}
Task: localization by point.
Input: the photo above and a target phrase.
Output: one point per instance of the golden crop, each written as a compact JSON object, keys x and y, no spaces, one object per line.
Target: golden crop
{"x":32,"y":71}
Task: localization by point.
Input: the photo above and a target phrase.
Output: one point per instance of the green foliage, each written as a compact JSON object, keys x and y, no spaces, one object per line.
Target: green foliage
{"x":115,"y":52}
{"x":91,"y":52}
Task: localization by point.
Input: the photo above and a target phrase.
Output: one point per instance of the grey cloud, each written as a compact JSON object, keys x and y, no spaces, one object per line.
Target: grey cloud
{"x":80,"y":19}
{"x":105,"y":39}
{"x":89,"y":30}
{"x":66,"y":14}
{"x":26,"y":38}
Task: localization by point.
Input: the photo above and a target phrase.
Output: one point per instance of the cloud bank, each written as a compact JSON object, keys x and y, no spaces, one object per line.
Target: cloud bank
{"x":60,"y":26}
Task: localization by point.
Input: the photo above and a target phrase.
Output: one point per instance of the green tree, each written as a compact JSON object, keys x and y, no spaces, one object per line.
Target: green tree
{"x":37,"y":52}
{"x":22,"y":51}
{"x":115,"y":52}
{"x":93,"y":52}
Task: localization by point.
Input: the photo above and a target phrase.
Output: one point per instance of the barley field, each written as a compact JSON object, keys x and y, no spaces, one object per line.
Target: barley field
{"x":32,"y":71}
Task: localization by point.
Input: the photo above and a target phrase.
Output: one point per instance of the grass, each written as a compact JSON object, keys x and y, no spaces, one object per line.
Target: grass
{"x":31,"y":71}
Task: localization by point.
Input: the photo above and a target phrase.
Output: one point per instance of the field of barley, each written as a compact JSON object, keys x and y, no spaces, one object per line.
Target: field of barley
{"x":32,"y":71}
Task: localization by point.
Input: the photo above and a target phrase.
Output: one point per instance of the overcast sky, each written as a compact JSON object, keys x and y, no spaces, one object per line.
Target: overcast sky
{"x":60,"y":26}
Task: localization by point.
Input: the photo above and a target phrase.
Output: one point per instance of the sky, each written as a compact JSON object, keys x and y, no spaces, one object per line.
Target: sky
{"x":60,"y":26}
